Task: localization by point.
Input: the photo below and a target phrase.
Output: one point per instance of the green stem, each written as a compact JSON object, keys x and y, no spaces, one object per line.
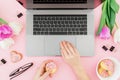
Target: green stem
{"x":119,"y":8}
{"x":103,"y":17}
{"x":3,"y":21}
{"x":116,"y":25}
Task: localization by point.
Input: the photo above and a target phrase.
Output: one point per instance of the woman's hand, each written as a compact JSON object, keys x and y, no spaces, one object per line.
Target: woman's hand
{"x":70,"y":54}
{"x":41,"y":73}
{"x":72,"y":57}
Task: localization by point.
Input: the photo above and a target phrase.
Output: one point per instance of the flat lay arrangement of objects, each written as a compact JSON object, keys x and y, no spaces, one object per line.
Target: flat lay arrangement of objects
{"x":33,"y":34}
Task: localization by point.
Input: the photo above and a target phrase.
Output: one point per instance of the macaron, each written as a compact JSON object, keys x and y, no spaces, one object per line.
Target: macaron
{"x":52,"y":67}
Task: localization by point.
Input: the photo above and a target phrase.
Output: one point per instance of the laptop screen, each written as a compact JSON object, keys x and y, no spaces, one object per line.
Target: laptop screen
{"x":61,"y":4}
{"x":58,"y":1}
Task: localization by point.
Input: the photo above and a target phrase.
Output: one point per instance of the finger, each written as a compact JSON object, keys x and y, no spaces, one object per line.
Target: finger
{"x":76,"y":52}
{"x":41,"y":69}
{"x":70,"y":48}
{"x":39,"y":72}
{"x":66,"y":48}
{"x":45,"y":75}
{"x":65,"y":53}
{"x":62,"y":53}
{"x":62,"y":49}
{"x":61,"y":46}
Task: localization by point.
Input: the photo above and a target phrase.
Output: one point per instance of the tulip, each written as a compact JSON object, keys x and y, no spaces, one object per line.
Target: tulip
{"x":105,"y":33}
{"x":16,"y":27}
{"x":6,"y":43}
{"x":117,"y":36}
{"x":5,"y":32}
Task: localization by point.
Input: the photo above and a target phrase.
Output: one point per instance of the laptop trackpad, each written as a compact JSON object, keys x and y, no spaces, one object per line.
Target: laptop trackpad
{"x":52,"y":47}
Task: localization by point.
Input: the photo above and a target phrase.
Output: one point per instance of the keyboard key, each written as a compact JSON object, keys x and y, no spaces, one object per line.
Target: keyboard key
{"x":81,"y":33}
{"x":38,"y":33}
{"x":40,"y":22}
{"x":85,"y":33}
{"x":36,"y":25}
{"x":58,"y":33}
{"x":35,"y":22}
{"x":34,"y":33}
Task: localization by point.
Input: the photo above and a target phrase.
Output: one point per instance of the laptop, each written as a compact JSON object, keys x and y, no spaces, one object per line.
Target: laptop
{"x":51,"y":21}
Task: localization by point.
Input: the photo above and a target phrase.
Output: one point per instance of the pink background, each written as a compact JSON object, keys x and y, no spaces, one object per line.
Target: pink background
{"x":8,"y":11}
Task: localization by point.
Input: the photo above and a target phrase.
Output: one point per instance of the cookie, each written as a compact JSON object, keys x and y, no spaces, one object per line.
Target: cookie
{"x":15,"y":56}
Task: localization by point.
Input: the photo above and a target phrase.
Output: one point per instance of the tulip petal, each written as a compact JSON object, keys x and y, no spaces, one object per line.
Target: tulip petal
{"x":16,"y":27}
{"x":5,"y":44}
{"x":5,"y":32}
{"x":117,"y":36}
{"x":105,"y":33}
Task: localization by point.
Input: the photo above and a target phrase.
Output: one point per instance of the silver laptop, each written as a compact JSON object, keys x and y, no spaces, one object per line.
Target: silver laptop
{"x":51,"y":21}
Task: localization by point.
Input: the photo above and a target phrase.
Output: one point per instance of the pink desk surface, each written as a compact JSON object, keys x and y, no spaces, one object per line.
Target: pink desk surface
{"x":9,"y":9}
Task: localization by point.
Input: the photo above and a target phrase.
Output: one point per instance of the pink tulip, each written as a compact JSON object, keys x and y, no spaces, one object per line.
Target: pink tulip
{"x":105,"y":33}
{"x":5,"y":32}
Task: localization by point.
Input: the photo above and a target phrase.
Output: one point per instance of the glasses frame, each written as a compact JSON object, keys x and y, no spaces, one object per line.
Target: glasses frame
{"x":20,"y":70}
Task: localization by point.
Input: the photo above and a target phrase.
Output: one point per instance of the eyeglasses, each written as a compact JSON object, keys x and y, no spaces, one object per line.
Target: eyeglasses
{"x":20,"y":70}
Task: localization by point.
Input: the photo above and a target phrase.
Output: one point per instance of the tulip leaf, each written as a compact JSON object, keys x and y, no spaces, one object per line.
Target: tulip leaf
{"x":2,"y":21}
{"x":108,"y":13}
{"x":102,"y":0}
{"x":102,"y":23}
{"x":112,"y":20}
{"x":108,"y":9}
{"x":114,"y":6}
{"x":103,"y":17}
{"x":103,"y":6}
{"x":107,"y":21}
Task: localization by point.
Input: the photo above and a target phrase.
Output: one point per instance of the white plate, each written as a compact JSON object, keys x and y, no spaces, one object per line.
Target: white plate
{"x":116,"y":73}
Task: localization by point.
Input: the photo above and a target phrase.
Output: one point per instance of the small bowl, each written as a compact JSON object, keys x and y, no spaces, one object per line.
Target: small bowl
{"x":116,"y":73}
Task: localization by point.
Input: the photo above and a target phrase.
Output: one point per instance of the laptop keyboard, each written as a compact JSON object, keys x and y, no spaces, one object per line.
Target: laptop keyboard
{"x":58,"y":1}
{"x":60,"y":25}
